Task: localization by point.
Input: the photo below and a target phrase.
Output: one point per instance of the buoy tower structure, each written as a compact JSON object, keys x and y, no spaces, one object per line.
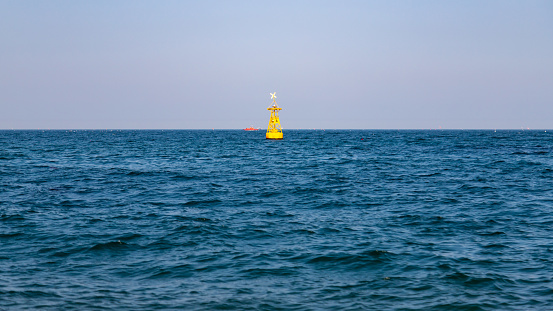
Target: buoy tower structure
{"x":274,"y":131}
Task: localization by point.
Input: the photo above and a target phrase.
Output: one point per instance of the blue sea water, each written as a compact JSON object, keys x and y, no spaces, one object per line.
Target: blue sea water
{"x":322,"y":220}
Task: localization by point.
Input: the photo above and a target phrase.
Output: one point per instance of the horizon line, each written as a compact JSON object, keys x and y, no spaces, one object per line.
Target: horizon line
{"x":292,"y":129}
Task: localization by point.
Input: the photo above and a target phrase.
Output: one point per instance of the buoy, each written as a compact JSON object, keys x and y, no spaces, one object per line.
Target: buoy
{"x":274,"y":131}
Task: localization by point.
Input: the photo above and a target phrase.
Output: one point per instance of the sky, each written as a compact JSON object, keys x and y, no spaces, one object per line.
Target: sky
{"x":333,"y":64}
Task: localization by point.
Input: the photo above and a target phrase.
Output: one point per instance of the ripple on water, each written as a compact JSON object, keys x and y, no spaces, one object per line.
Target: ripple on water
{"x":323,"y":220}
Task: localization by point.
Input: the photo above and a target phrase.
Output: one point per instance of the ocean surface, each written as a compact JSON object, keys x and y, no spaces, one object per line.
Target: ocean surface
{"x":322,"y":220}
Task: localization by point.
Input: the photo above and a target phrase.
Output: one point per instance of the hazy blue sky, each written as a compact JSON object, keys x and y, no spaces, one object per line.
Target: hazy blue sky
{"x":333,"y":64}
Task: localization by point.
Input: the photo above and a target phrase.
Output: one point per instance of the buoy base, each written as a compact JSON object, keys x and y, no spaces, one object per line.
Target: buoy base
{"x":277,"y":135}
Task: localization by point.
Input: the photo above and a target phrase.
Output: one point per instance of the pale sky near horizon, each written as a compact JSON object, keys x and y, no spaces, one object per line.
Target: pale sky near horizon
{"x":333,"y":64}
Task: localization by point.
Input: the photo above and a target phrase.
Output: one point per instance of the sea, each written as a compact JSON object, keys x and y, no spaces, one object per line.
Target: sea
{"x":321,"y":220}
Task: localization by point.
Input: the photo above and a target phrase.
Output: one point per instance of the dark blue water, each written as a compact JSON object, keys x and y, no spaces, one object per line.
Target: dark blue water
{"x":323,"y":220}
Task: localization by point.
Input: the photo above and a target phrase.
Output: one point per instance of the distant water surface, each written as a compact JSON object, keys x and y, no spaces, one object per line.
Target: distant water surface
{"x":322,"y":220}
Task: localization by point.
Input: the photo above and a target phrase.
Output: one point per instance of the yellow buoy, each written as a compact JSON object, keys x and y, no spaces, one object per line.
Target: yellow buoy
{"x":274,"y":131}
